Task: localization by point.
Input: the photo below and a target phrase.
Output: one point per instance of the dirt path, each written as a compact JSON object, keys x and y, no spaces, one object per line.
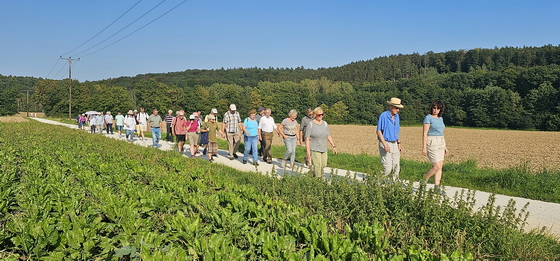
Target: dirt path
{"x":541,"y":213}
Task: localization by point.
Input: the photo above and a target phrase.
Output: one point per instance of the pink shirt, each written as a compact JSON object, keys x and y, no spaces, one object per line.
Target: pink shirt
{"x":193,"y":127}
{"x":180,"y":125}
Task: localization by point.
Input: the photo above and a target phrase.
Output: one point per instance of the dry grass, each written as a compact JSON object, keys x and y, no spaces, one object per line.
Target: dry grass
{"x":490,"y":148}
{"x":13,"y":119}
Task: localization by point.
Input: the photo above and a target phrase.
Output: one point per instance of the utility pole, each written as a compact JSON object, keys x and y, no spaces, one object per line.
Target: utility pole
{"x":27,"y":104}
{"x":69,"y":59}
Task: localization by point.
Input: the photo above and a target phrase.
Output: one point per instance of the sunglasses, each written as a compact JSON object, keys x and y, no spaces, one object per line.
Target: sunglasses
{"x":319,"y":114}
{"x":437,"y":108}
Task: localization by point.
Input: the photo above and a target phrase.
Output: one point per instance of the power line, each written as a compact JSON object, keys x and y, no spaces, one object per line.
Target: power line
{"x":59,"y":72}
{"x":57,"y":60}
{"x":136,"y":29}
{"x":104,"y":28}
{"x":121,"y":29}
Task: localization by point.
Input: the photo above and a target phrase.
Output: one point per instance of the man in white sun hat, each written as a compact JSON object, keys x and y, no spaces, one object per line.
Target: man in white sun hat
{"x":388,"y":128}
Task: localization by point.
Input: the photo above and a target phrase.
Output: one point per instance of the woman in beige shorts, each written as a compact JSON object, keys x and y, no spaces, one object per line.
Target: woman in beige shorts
{"x":433,"y":141}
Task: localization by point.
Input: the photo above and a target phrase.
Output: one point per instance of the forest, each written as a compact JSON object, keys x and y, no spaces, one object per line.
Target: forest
{"x":503,"y":87}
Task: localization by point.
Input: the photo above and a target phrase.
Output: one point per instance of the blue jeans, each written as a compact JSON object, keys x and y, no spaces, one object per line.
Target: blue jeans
{"x":129,"y":133}
{"x":251,"y":144}
{"x":156,"y":136}
{"x":290,"y":143}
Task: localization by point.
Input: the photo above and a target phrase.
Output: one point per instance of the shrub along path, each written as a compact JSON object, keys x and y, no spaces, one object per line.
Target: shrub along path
{"x":540,"y":213}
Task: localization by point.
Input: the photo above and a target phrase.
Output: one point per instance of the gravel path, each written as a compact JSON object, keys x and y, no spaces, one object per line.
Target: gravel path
{"x":540,"y":213}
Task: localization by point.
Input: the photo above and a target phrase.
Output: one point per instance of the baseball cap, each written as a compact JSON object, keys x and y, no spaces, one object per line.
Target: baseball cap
{"x":191,"y":117}
{"x":233,"y":107}
{"x":214,"y":110}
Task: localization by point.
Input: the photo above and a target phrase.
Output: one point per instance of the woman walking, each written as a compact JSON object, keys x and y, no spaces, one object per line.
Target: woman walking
{"x":316,"y":137}
{"x":251,"y":137}
{"x":433,"y":141}
{"x":289,"y":130}
{"x":193,"y":130}
{"x":129,"y":125}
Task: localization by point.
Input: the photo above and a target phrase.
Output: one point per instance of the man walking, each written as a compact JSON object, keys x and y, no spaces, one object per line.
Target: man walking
{"x":155,"y":126}
{"x":179,"y":130}
{"x":304,"y":123}
{"x":266,"y":127}
{"x":120,"y":122}
{"x":258,"y":118}
{"x":109,"y":122}
{"x":232,"y":129}
{"x":388,"y":128}
{"x":168,"y":121}
{"x":100,"y":122}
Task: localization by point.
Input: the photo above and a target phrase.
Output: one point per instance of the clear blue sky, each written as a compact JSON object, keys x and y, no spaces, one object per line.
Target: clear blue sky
{"x":207,"y":34}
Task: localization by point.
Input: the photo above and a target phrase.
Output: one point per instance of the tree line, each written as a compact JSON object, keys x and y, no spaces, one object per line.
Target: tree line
{"x":515,"y":88}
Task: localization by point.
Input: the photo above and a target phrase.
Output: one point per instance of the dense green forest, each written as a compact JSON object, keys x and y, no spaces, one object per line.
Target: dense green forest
{"x":508,"y":87}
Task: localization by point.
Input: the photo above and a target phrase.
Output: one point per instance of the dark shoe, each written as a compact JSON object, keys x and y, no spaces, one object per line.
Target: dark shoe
{"x":230,"y":158}
{"x":235,"y":155}
{"x":204,"y":151}
{"x":269,"y":162}
{"x":215,"y":155}
{"x":211,"y":160}
{"x":255,"y":163}
{"x":244,"y":161}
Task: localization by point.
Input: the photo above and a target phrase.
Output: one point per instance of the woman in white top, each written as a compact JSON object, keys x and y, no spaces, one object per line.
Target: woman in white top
{"x":289,"y":130}
{"x":129,"y":125}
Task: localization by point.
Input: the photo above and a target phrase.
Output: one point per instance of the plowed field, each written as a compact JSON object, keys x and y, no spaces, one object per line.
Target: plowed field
{"x":490,"y":148}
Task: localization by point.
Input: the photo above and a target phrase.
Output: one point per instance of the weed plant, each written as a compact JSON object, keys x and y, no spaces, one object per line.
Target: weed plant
{"x":518,"y":181}
{"x":403,"y":219}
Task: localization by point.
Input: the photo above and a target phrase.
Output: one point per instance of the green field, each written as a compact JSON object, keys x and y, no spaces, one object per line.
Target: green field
{"x":65,"y":194}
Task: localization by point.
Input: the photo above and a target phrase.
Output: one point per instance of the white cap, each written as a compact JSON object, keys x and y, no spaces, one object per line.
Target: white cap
{"x":170,"y":111}
{"x":214,"y":110}
{"x":191,"y":117}
{"x":232,"y":107}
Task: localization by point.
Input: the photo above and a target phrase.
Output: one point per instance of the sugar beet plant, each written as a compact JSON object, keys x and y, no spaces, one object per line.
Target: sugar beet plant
{"x":68,"y":195}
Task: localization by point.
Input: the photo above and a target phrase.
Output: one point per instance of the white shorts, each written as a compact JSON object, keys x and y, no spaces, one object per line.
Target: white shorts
{"x":436,"y":148}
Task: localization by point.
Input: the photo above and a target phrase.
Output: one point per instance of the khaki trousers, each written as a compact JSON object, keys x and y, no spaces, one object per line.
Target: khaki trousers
{"x":319,"y":161}
{"x":267,"y":141}
{"x":234,"y":139}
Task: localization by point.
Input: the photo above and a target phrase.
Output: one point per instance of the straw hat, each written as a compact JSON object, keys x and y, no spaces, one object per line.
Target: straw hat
{"x":395,"y":102}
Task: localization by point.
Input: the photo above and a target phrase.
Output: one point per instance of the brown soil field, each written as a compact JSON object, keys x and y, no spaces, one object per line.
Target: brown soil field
{"x":490,"y":148}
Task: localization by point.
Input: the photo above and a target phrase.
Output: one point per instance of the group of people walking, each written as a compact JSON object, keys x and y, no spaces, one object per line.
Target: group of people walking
{"x":259,"y":127}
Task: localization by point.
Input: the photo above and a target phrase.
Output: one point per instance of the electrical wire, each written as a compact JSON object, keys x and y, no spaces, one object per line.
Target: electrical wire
{"x":57,"y":60}
{"x":121,"y":29}
{"x":103,"y":29}
{"x":59,"y":71}
{"x":136,"y":29}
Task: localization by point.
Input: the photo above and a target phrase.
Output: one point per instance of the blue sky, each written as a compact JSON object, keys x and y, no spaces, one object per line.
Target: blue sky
{"x":249,"y":33}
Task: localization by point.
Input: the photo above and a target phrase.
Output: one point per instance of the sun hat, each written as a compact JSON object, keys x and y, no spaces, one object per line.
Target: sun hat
{"x":214,"y":110}
{"x":135,"y":110}
{"x":211,"y":117}
{"x":395,"y":102}
{"x":233,"y":107}
{"x":170,"y":111}
{"x":129,"y":112}
{"x":191,"y":117}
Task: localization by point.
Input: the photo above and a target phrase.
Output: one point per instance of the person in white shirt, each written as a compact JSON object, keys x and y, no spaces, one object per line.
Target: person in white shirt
{"x":143,"y":122}
{"x":266,"y":129}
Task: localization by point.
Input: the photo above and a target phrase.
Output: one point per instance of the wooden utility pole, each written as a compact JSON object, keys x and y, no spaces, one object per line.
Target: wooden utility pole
{"x":69,"y":59}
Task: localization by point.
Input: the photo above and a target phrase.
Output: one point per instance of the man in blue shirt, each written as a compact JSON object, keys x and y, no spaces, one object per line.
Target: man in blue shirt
{"x":388,"y":128}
